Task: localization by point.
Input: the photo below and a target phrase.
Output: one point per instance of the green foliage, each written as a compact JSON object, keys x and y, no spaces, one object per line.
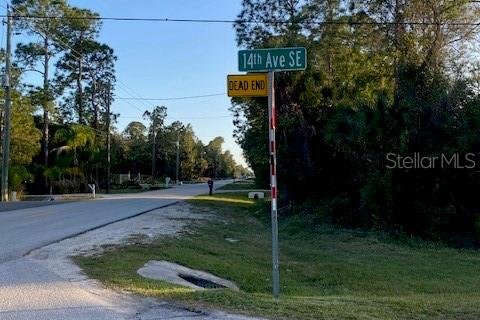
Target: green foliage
{"x":135,"y":131}
{"x":138,"y":152}
{"x":157,"y":118}
{"x":25,"y":137}
{"x":17,"y":176}
{"x":75,"y":136}
{"x":45,"y":42}
{"x":375,"y":85}
{"x":86,"y":82}
{"x":220,"y":164}
{"x":85,"y":73}
{"x":76,"y":149}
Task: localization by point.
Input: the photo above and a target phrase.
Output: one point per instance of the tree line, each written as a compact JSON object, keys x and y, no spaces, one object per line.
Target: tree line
{"x":59,"y":128}
{"x":384,"y":77}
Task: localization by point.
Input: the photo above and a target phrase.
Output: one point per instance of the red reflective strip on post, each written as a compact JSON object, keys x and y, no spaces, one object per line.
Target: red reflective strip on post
{"x":272,"y":146}
{"x":273,"y":115}
{"x":274,"y":193}
{"x":272,"y":169}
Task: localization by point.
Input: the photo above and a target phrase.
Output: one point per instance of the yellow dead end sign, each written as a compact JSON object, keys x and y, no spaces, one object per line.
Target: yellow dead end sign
{"x":248,"y":85}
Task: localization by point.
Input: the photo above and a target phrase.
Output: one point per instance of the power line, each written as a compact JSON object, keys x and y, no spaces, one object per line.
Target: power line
{"x":246,"y":21}
{"x":133,"y":19}
{"x":134,"y":95}
{"x":175,"y":98}
{"x":185,"y":118}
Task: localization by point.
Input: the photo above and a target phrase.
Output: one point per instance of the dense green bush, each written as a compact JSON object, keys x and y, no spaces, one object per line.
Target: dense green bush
{"x":371,"y":89}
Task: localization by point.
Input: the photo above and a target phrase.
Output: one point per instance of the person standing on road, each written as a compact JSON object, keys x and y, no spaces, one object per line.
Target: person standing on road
{"x":210,"y":186}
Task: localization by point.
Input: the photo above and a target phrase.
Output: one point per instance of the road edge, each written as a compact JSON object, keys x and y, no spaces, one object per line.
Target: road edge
{"x":99,"y":227}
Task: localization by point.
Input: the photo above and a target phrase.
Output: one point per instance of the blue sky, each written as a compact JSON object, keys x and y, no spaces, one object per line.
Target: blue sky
{"x":170,"y":59}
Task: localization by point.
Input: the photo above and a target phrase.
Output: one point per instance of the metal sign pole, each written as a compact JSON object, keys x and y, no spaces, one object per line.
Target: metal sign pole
{"x":273,"y":182}
{"x":261,"y":60}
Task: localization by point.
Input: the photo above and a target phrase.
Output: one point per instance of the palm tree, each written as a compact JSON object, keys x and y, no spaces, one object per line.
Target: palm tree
{"x":76,"y":137}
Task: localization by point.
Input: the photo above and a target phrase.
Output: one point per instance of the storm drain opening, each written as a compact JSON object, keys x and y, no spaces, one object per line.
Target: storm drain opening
{"x":180,"y":275}
{"x":199,"y":282}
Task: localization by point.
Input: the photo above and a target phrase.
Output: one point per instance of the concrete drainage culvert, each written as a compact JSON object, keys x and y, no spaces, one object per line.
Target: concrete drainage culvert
{"x":180,"y":275}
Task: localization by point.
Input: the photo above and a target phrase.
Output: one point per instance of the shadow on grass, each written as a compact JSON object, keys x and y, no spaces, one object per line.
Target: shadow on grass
{"x":224,"y":199}
{"x":240,"y":186}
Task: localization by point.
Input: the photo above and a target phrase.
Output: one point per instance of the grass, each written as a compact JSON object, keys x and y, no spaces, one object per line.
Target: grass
{"x":326,"y":272}
{"x":240,"y":185}
{"x":124,"y":190}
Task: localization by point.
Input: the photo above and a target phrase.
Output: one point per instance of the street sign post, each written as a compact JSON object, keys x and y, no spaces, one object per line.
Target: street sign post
{"x":248,"y":85}
{"x":278,"y":59}
{"x":271,"y":60}
{"x":272,"y":126}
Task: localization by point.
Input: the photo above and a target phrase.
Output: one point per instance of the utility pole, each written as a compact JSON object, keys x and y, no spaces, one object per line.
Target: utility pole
{"x":154,"y":151}
{"x":7,"y":111}
{"x":109,"y":138}
{"x":178,"y":156}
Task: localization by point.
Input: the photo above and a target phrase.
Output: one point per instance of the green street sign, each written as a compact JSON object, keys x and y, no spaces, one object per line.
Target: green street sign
{"x":276,"y":59}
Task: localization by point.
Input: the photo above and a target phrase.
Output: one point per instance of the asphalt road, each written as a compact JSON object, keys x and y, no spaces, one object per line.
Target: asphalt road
{"x":26,"y":229}
{"x":29,"y":291}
